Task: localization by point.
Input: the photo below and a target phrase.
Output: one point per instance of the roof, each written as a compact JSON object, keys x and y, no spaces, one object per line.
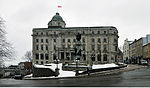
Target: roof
{"x":75,"y":28}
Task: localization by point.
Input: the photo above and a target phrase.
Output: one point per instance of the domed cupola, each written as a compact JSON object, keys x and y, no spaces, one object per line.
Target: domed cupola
{"x":56,"y":21}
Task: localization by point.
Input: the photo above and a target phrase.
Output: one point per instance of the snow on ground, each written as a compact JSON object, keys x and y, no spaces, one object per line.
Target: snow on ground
{"x":70,"y":73}
{"x":104,"y":66}
{"x":53,"y":67}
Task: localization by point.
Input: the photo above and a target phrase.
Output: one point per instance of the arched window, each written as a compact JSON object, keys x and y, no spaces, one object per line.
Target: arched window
{"x":99,"y":40}
{"x":93,"y":40}
{"x":105,"y":40}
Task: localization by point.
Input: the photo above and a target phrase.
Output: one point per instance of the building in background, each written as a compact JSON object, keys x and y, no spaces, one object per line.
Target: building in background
{"x":146,"y":52}
{"x":99,"y":44}
{"x":136,"y":49}
{"x":126,"y":58}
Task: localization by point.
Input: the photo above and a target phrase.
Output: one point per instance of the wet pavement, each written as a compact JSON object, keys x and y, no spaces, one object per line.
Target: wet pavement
{"x":135,"y":78}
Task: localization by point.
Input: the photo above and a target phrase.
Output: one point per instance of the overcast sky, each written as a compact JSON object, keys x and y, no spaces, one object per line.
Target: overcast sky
{"x":130,"y":17}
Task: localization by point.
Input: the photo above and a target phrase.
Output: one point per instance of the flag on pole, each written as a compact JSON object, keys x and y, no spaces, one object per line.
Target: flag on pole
{"x":59,"y":6}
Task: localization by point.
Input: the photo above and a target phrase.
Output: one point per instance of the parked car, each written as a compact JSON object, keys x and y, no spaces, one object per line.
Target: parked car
{"x":144,"y":62}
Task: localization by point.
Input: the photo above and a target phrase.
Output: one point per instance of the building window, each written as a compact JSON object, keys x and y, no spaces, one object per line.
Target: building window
{"x":46,"y":56}
{"x":99,"y":40}
{"x":93,"y":40}
{"x":98,"y":32}
{"x":54,"y":47}
{"x":105,"y":57}
{"x":37,"y":56}
{"x":93,"y":57}
{"x":83,"y":40}
{"x":98,"y":47}
{"x":93,"y":47}
{"x":42,"y":56}
{"x":63,"y":40}
{"x":104,"y":32}
{"x":54,"y":40}
{"x":41,"y":40}
{"x":105,"y":47}
{"x":37,"y":47}
{"x":69,"y":40}
{"x":54,"y":56}
{"x":105,"y":40}
{"x":41,"y":33}
{"x":37,"y":40}
{"x":46,"y":47}
{"x":99,"y":57}
{"x":46,"y":40}
{"x":41,"y":47}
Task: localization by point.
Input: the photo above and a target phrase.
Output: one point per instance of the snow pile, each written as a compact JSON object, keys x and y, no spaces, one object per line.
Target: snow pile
{"x":53,"y":67}
{"x":71,"y":73}
{"x":104,"y":66}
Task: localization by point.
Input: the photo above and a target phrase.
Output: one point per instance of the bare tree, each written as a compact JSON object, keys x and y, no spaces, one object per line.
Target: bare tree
{"x":28,"y":56}
{"x":6,"y":49}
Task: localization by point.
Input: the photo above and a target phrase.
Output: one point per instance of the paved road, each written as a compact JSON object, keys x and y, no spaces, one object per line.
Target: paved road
{"x":140,"y":78}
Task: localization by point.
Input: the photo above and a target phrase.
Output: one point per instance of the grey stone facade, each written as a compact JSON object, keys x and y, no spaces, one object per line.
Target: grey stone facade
{"x":99,"y":44}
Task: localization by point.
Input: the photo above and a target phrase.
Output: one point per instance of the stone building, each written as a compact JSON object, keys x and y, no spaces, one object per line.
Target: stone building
{"x":99,"y":44}
{"x":126,"y":58}
{"x":146,"y":52}
{"x":136,"y":49}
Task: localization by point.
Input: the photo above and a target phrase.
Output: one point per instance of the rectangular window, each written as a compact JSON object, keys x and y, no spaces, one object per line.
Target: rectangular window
{"x":37,"y":40}
{"x":41,"y":47}
{"x":41,"y":40}
{"x":54,"y":40}
{"x":46,"y":47}
{"x":42,"y":56}
{"x":69,"y":40}
{"x":37,"y":56}
{"x":37,"y":47}
{"x":98,"y":47}
{"x":54,"y":47}
{"x":46,"y":56}
{"x":46,"y":40}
